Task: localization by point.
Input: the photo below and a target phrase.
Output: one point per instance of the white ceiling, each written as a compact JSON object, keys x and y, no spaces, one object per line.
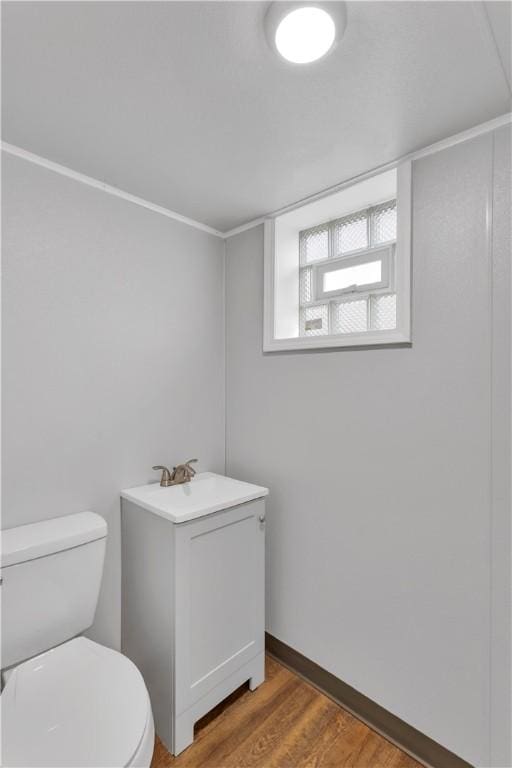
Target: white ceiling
{"x":183,"y":104}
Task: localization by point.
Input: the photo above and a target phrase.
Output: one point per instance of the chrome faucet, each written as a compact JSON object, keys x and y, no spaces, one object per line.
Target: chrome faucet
{"x":183,"y":473}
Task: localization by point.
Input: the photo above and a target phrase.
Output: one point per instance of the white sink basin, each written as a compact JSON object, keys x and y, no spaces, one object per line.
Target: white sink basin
{"x":206,"y":493}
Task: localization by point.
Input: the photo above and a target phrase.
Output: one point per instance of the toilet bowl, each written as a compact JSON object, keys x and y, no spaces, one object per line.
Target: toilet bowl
{"x":67,"y":701}
{"x":80,"y":704}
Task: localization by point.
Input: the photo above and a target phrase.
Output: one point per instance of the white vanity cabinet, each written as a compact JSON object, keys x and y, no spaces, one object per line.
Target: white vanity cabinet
{"x":193,"y":595}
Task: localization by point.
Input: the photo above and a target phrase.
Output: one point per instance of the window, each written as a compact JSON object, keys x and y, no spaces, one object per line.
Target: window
{"x":337,"y":270}
{"x":343,"y":258}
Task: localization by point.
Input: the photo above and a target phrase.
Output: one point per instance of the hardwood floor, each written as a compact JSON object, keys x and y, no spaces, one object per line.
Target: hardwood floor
{"x":285,"y":723}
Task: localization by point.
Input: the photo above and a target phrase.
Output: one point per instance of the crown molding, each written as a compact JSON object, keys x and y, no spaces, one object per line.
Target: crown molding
{"x":438,"y":146}
{"x":247,"y":225}
{"x":30,"y":157}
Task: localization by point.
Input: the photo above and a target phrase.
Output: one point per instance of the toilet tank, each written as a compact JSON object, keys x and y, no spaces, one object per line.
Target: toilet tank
{"x":51,"y":575}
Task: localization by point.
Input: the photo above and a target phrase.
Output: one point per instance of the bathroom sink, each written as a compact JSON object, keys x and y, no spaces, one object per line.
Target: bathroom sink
{"x":204,"y":494}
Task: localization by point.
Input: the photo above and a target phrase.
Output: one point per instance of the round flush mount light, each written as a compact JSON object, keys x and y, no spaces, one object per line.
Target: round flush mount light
{"x":303,"y":32}
{"x":305,"y":35}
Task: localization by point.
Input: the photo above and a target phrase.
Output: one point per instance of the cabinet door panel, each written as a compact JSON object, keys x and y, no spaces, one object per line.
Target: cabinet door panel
{"x":219,"y":598}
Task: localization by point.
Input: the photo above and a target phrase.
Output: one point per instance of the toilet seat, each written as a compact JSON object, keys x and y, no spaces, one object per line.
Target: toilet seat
{"x":80,"y":704}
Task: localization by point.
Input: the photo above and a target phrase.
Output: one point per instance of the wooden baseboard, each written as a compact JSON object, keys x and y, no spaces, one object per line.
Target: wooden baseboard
{"x":407,"y":738}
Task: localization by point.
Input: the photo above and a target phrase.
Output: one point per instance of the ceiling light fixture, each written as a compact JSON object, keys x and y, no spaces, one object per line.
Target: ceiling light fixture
{"x":303,"y":32}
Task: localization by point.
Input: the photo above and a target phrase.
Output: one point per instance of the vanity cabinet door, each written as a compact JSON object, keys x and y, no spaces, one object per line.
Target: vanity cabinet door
{"x":219,"y":598}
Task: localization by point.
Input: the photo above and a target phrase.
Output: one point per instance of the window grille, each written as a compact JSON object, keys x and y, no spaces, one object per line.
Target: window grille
{"x":357,"y":242}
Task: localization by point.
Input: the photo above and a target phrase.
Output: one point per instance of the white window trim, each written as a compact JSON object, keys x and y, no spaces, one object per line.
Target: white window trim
{"x":367,"y":256}
{"x":402,"y":274}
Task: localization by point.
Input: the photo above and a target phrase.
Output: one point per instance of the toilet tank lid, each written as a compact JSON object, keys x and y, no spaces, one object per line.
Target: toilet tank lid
{"x":26,"y":542}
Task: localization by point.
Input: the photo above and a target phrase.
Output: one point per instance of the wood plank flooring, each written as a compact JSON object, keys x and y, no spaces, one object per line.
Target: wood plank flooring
{"x":285,"y":723}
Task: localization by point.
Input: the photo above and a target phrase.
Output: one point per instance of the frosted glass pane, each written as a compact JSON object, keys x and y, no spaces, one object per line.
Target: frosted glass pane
{"x":306,"y":285}
{"x":314,"y":244}
{"x":351,"y":234}
{"x":357,"y":275}
{"x":350,"y":317}
{"x":314,"y":321}
{"x":383,"y":311}
{"x":384,"y":224}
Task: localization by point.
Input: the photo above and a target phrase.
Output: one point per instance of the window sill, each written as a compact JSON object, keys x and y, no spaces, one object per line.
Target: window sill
{"x":366,"y":339}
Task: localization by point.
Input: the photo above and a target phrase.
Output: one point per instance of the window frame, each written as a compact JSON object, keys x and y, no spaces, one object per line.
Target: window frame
{"x":277,"y":274}
{"x":384,"y":254}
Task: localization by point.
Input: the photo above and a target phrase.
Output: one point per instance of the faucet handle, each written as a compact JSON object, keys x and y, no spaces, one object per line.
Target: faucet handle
{"x":183,"y":473}
{"x":165,"y":480}
{"x":190,"y":470}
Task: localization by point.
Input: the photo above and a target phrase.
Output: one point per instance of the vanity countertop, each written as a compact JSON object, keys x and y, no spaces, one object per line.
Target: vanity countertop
{"x":204,"y":494}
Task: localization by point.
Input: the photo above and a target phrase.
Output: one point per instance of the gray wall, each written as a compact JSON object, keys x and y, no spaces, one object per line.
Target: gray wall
{"x":381,"y":515}
{"x":389,"y":469}
{"x":113,"y":354}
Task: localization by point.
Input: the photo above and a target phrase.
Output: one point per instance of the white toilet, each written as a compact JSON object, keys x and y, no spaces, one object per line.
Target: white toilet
{"x":66,"y":702}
